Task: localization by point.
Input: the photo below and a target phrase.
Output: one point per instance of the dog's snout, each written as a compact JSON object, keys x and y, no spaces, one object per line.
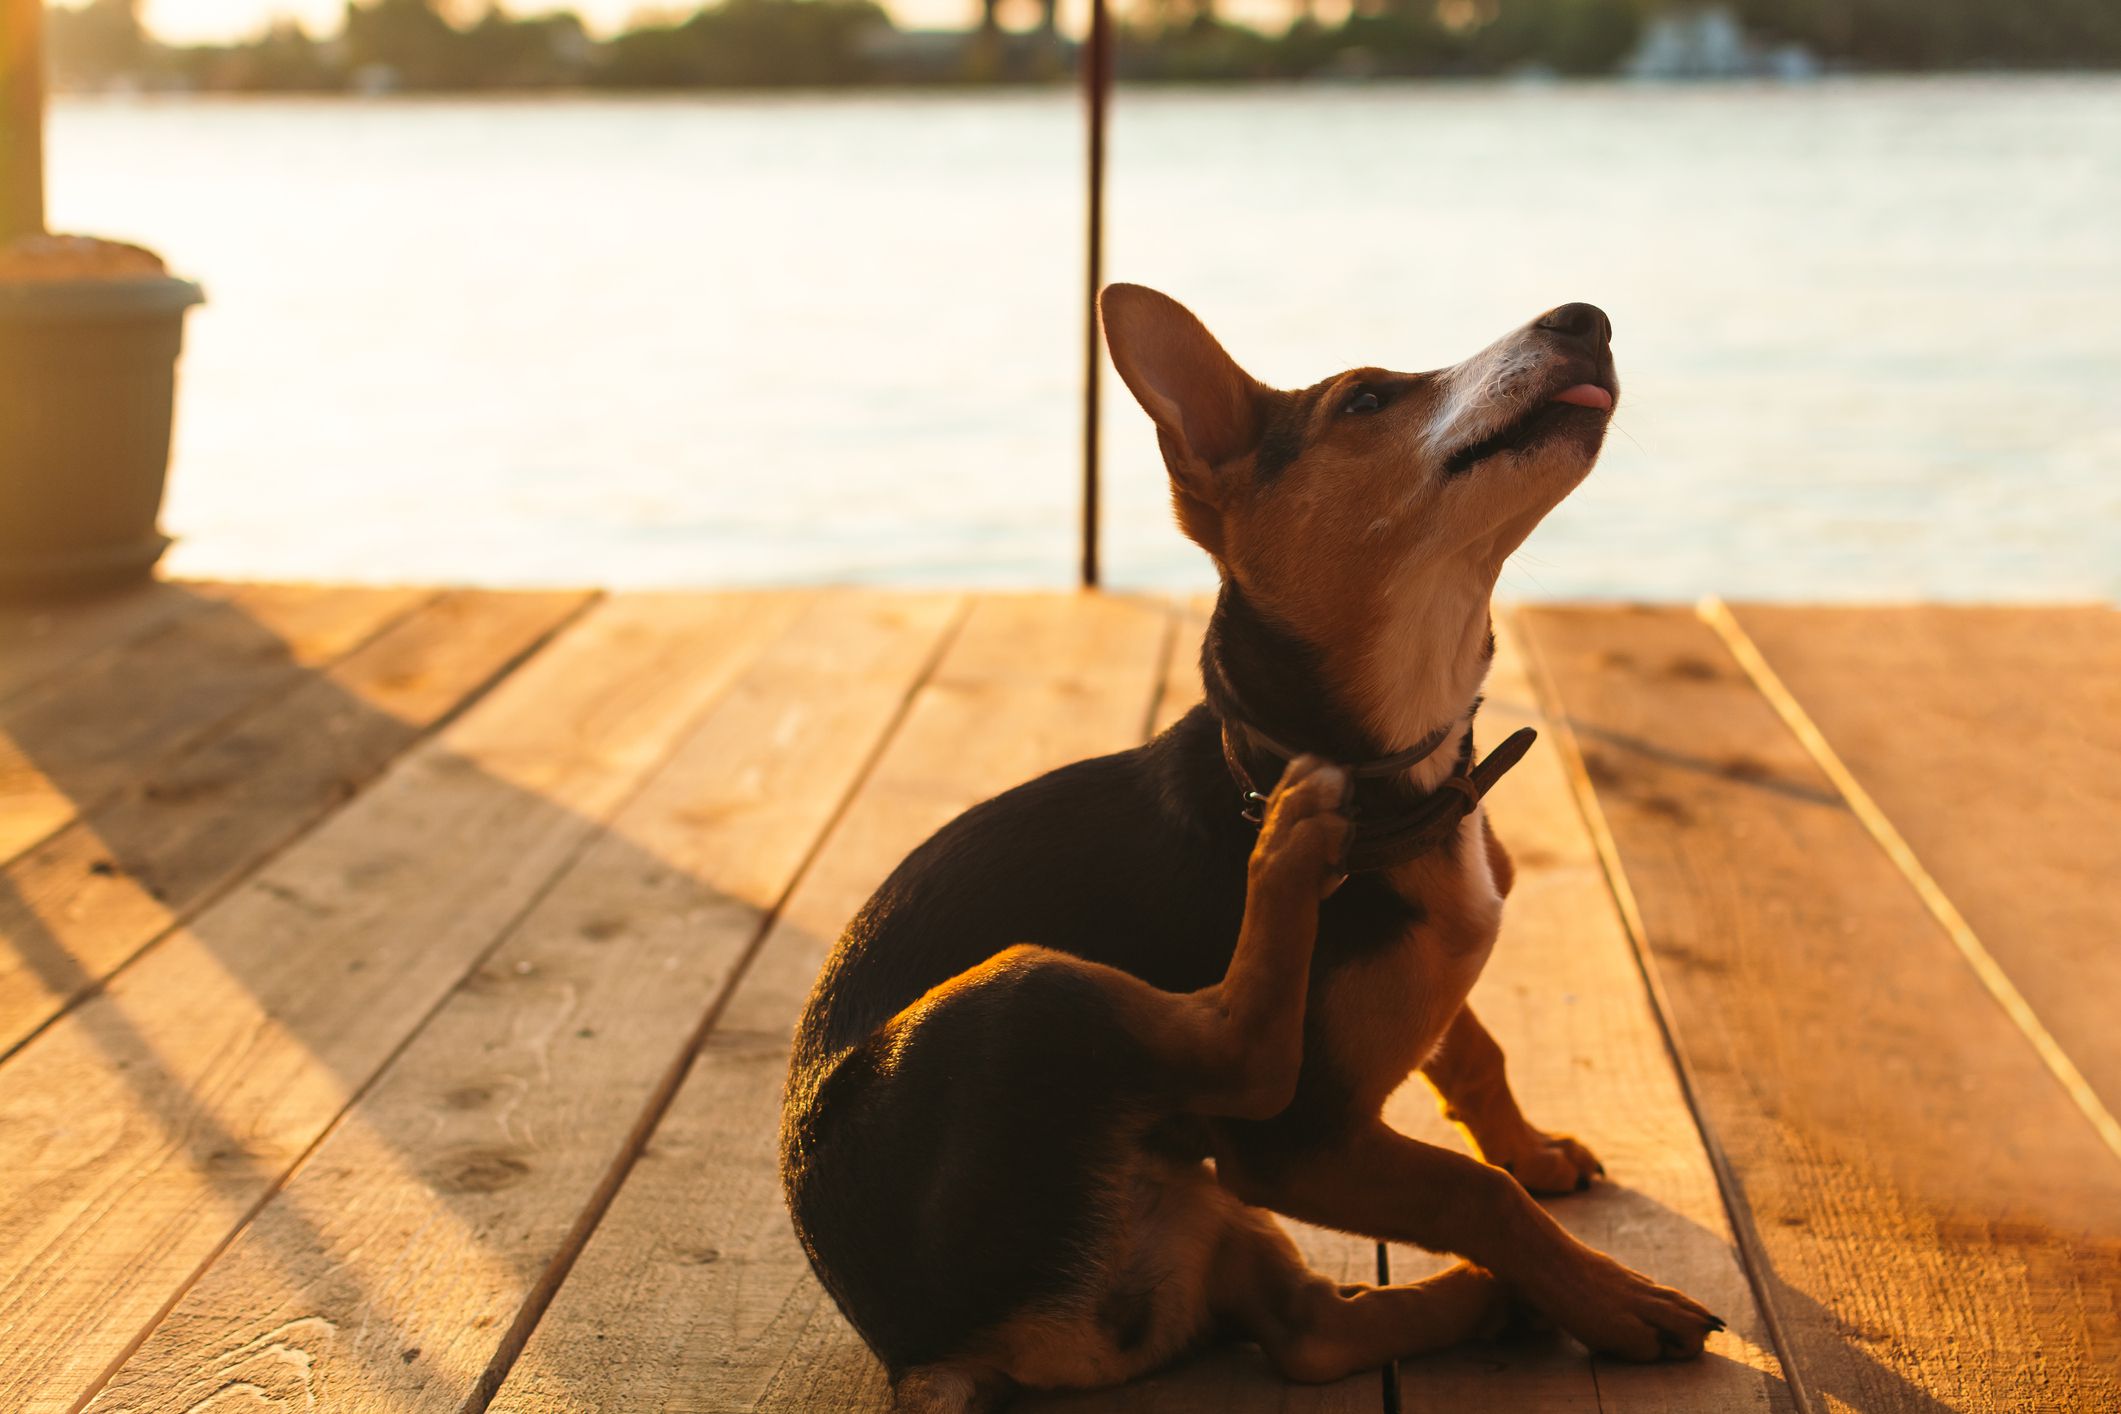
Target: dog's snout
{"x":1579,"y":321}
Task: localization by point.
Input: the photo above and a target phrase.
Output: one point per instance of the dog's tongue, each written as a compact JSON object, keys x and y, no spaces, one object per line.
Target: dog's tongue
{"x":1585,"y":395}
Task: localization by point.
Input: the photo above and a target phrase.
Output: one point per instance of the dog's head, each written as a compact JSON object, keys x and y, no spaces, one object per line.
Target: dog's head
{"x":1367,"y":474}
{"x":1347,"y":508}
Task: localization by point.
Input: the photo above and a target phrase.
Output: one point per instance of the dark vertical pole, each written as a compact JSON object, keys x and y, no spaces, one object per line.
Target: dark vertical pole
{"x":1097,"y":88}
{"x":21,"y":120}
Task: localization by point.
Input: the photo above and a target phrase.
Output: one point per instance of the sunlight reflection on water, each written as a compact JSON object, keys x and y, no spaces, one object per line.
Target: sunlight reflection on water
{"x":1869,"y":332}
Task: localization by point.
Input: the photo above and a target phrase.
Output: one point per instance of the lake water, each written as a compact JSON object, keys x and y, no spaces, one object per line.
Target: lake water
{"x":1869,"y":331}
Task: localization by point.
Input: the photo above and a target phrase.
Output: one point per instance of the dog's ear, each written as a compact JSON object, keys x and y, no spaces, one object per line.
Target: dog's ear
{"x":1207,"y":409}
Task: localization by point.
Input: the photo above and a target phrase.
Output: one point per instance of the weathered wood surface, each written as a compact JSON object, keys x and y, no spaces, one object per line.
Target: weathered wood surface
{"x":180,"y":831}
{"x":39,"y":640}
{"x":1991,"y":738}
{"x":70,"y":741}
{"x":1564,"y":995}
{"x":142,"y":1129}
{"x":330,"y":1130}
{"x":1933,"y":1223}
{"x":694,"y":1285}
{"x":397,"y":1268}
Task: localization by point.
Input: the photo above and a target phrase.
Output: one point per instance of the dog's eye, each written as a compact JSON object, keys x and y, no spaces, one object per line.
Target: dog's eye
{"x":1362,"y":402}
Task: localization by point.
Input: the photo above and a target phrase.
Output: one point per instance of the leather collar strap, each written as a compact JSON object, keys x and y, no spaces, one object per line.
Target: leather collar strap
{"x":1380,"y":842}
{"x":1378,"y":768}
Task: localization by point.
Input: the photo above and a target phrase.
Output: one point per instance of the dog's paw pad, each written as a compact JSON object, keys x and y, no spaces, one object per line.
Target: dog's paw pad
{"x":1305,"y":826}
{"x":1310,"y":786}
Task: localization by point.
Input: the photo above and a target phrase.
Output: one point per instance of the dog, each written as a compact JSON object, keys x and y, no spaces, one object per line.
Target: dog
{"x":1064,"y":1066}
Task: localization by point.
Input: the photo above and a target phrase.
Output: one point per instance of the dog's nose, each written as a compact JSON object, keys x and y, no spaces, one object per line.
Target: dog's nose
{"x":1579,"y":321}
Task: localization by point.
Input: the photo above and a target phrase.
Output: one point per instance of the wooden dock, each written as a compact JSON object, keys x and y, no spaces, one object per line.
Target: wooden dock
{"x":395,"y":986}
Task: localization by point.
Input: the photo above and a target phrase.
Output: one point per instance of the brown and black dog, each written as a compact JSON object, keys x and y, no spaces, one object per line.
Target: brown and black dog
{"x":1079,"y":1046}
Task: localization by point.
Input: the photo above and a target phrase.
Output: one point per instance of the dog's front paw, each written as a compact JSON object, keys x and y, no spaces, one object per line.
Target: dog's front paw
{"x":1305,"y":829}
{"x":1617,"y":1311}
{"x":1547,"y":1164}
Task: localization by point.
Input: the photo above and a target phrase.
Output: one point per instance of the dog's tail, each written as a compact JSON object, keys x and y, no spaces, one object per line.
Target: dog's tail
{"x":951,"y":1387}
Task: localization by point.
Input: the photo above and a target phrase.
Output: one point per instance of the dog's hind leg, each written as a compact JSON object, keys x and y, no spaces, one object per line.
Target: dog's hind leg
{"x":1234,"y":1047}
{"x":1315,"y":1331}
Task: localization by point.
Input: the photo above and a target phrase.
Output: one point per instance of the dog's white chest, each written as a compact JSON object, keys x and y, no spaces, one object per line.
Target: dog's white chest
{"x":1385,"y":1012}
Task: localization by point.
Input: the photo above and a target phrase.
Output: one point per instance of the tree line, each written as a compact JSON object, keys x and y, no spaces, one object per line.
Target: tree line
{"x":414,"y":45}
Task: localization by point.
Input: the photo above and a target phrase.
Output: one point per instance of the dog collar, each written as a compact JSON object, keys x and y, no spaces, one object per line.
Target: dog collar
{"x":1380,"y":841}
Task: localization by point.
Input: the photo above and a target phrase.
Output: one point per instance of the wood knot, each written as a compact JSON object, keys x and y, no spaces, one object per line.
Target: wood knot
{"x":1745,"y":768}
{"x":1688,"y":668}
{"x":179,"y":792}
{"x":483,"y":1171}
{"x":1664,"y":807}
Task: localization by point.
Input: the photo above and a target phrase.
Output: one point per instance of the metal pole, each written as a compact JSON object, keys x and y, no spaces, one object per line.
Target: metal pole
{"x":21,"y":120}
{"x":1097,"y":88}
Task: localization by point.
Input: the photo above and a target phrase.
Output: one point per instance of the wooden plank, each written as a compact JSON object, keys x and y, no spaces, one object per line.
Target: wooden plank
{"x":74,"y":740}
{"x":1564,"y":995}
{"x":83,"y":902}
{"x":1933,"y":1223}
{"x":693,"y":1293}
{"x":1991,"y":738}
{"x":139,"y":1131}
{"x":392,"y":1269}
{"x":38,"y":641}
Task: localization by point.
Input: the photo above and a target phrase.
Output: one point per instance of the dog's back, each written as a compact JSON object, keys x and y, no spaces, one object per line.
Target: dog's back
{"x":1109,"y":859}
{"x":890,"y":1148}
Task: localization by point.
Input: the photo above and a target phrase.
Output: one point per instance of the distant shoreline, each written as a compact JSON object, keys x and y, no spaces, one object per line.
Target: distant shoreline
{"x":422,"y":46}
{"x":1032,"y":88}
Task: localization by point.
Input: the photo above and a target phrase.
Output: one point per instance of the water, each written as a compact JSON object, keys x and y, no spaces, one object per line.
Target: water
{"x":1869,"y":331}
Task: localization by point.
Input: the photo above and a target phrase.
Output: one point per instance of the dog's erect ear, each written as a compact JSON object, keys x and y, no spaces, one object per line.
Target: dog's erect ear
{"x":1206,"y":408}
